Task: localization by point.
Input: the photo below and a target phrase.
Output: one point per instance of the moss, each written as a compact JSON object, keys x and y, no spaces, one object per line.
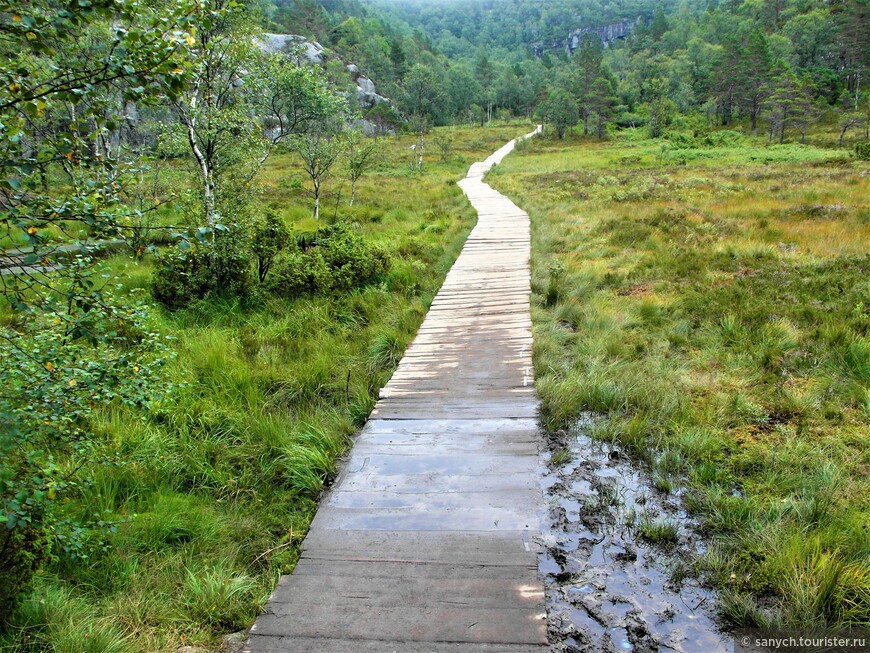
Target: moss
{"x":22,"y":550}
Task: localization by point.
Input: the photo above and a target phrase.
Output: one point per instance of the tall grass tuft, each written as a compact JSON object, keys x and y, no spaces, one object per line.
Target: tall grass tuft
{"x":218,"y":597}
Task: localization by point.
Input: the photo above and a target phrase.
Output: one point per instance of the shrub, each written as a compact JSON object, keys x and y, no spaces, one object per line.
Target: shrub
{"x":269,"y":236}
{"x":682,"y":140}
{"x":299,"y":273}
{"x":47,"y":434}
{"x":862,"y":151}
{"x":723,"y":138}
{"x":336,"y":258}
{"x":178,"y":281}
{"x":229,"y":264}
{"x":630,"y":120}
{"x":185,"y":276}
{"x":352,"y":261}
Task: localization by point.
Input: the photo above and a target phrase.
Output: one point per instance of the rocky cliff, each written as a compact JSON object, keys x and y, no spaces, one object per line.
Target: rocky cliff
{"x":607,"y":33}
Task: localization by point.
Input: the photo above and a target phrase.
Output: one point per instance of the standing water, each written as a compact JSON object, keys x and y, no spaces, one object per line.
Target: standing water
{"x":607,"y":588}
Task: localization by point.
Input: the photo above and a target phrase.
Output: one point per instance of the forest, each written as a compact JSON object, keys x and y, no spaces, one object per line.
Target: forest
{"x":211,"y":263}
{"x":779,"y":66}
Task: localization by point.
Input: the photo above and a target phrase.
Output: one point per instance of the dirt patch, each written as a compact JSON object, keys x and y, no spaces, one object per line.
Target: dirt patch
{"x":635,"y":290}
{"x":568,"y":177}
{"x":608,"y":588}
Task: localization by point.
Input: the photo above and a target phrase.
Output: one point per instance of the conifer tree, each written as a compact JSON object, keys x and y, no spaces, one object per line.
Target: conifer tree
{"x":587,"y":69}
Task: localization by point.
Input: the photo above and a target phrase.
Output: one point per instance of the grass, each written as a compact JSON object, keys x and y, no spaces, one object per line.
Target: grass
{"x":710,"y":300}
{"x":661,"y":532}
{"x":213,"y":491}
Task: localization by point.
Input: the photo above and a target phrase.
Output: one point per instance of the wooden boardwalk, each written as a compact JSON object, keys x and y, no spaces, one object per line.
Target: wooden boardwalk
{"x":427,"y":540}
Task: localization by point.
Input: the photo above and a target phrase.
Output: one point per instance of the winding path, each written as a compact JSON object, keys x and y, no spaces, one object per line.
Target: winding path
{"x":427,"y":540}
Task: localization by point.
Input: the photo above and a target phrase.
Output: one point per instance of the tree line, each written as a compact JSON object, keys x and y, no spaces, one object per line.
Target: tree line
{"x":780,"y":65}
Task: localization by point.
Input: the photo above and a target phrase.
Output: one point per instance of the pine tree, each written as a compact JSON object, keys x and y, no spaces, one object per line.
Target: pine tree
{"x":485,"y":73}
{"x":659,"y":25}
{"x":601,"y":102}
{"x":789,"y":103}
{"x":853,"y":20}
{"x":397,"y":57}
{"x":587,"y":69}
{"x":751,"y":70}
{"x":741,"y":77}
{"x":560,"y":110}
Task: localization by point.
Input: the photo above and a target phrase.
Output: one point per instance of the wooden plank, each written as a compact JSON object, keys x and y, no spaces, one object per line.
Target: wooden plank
{"x":421,"y":624}
{"x":266,"y":644}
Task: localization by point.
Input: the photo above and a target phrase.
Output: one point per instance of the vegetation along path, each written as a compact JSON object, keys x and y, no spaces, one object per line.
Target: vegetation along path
{"x":426,"y":541}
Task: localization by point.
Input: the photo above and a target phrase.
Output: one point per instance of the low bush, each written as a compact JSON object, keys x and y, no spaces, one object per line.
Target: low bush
{"x":352,"y":261}
{"x":335,"y":259}
{"x":298,"y":273}
{"x":630,"y":120}
{"x":723,"y":138}
{"x":188,"y":275}
{"x":269,"y":237}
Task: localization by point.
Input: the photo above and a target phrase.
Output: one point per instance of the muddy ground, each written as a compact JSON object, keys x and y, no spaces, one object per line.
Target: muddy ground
{"x":609,"y":589}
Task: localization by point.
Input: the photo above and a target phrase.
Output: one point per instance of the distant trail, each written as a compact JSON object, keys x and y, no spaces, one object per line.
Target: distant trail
{"x":427,"y":541}
{"x":15,"y":261}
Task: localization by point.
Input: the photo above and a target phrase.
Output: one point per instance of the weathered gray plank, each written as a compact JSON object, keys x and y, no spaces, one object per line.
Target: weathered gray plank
{"x":265,"y":644}
{"x":452,"y":549}
{"x":420,"y":624}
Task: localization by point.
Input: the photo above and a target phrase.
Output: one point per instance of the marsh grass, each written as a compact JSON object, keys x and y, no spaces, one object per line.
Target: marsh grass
{"x":711,"y":304}
{"x":207,"y":499}
{"x":655,"y":531}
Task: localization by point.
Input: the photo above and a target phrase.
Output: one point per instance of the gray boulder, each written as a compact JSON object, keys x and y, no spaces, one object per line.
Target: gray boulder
{"x":366,"y":94}
{"x":295,"y":46}
{"x":311,"y":52}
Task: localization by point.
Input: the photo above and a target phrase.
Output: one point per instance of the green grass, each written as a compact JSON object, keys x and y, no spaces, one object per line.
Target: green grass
{"x":214,"y":490}
{"x":660,"y":532}
{"x":710,"y":300}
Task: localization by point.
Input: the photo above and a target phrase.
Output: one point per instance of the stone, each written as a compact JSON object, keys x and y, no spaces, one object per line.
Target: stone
{"x":606,"y":33}
{"x":234,"y":642}
{"x":294,"y":45}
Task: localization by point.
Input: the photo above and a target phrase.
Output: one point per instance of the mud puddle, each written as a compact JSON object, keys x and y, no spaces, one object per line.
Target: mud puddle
{"x":609,"y":589}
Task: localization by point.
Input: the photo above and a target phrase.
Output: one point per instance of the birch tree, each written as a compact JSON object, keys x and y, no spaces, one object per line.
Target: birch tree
{"x":239,"y":105}
{"x":319,"y":148}
{"x":360,"y":153}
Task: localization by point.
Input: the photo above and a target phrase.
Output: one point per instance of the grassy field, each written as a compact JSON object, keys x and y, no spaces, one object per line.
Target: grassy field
{"x":213,"y":491}
{"x":708,"y":298}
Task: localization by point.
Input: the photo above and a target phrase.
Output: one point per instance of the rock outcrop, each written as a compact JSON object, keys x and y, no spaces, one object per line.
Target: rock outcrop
{"x":606,"y":33}
{"x":311,"y":52}
{"x":293,"y":45}
{"x":366,"y":92}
